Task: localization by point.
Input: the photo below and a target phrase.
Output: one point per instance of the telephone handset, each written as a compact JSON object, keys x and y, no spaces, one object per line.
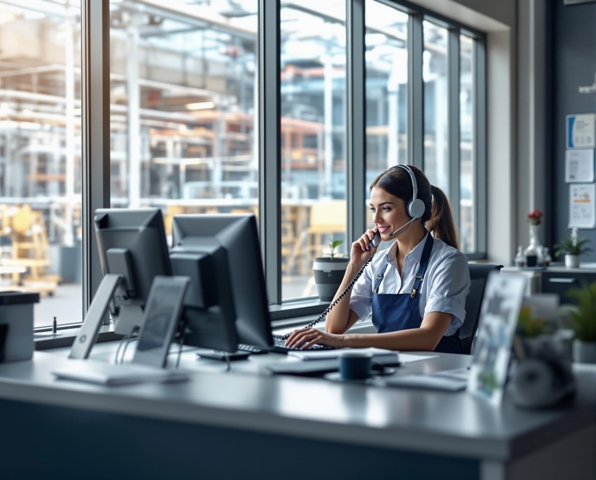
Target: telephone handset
{"x":375,"y":242}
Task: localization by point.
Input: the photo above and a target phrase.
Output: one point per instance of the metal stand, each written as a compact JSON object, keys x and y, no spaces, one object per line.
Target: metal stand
{"x":88,"y":332}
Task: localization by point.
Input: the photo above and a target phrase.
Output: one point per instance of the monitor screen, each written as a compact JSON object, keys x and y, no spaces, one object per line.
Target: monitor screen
{"x":237,"y":235}
{"x":131,"y":243}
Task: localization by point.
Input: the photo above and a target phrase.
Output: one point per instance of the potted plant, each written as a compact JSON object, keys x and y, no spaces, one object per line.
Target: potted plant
{"x":572,"y":247}
{"x":583,"y":322}
{"x":329,"y":271}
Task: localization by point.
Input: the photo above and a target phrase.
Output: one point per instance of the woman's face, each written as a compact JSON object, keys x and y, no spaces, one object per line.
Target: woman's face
{"x":388,"y":212}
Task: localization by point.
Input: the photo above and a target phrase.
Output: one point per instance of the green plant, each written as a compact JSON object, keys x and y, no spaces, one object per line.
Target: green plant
{"x":572,"y":246}
{"x":529,"y":326}
{"x":583,"y":317}
{"x":333,"y":244}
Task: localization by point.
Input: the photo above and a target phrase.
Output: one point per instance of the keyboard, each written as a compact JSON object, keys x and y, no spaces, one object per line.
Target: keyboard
{"x":279,"y":347}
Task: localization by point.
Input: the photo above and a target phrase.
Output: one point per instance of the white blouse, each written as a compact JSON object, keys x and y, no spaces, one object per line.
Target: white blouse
{"x":444,"y":288}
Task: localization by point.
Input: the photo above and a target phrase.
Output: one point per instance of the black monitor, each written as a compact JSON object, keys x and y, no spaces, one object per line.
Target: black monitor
{"x":132,"y":244}
{"x":236,"y":235}
{"x":208,"y":318}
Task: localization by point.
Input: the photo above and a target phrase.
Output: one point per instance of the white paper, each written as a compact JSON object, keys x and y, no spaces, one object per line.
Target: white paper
{"x":580,"y":131}
{"x":581,"y":206}
{"x":579,"y":166}
{"x":501,"y":304}
{"x":447,"y":380}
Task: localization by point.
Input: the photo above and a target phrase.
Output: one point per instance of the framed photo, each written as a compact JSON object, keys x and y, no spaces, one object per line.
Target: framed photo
{"x":501,"y":304}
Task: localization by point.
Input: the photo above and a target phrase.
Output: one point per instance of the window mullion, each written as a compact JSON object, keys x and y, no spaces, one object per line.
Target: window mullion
{"x":453,"y":125}
{"x":95,"y":129}
{"x":269,"y":125}
{"x":479,"y":135}
{"x":415,"y":92}
{"x":356,"y":119}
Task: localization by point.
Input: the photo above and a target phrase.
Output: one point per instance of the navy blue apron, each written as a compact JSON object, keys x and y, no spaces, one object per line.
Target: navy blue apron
{"x":392,"y":312}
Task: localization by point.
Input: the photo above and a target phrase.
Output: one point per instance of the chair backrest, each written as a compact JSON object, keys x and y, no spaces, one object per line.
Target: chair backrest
{"x":478,"y":275}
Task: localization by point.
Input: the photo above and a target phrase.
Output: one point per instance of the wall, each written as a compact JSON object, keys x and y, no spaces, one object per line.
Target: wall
{"x":574,"y":66}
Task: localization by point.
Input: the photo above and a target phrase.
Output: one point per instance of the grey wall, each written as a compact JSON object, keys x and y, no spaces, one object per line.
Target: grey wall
{"x":574,"y":46}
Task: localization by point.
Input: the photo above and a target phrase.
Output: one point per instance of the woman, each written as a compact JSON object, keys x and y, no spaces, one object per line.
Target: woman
{"x":417,"y":288}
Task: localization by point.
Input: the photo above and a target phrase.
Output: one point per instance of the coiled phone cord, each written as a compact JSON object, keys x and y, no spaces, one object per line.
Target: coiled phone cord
{"x":333,"y":304}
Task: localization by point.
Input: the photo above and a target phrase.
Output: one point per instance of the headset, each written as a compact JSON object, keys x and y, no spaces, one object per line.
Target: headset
{"x":415,"y":207}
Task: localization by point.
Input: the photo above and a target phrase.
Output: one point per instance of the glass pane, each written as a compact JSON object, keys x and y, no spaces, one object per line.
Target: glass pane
{"x":313,"y":61}
{"x":386,"y":89}
{"x":434,"y":74}
{"x":183,"y":102}
{"x":467,"y":146}
{"x":40,"y":155}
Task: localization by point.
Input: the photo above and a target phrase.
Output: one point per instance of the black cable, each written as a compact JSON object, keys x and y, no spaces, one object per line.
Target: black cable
{"x":122,"y":340}
{"x":333,"y":304}
{"x":134,"y":330}
{"x":181,"y":338}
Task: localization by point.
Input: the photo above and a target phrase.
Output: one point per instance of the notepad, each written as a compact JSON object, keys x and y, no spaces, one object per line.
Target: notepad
{"x":329,"y":354}
{"x":100,"y":373}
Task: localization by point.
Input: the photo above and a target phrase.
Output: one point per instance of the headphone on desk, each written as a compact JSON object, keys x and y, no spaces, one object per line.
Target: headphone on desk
{"x":415,"y":207}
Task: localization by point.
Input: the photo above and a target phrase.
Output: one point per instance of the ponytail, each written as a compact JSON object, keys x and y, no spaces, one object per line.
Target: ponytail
{"x":441,"y":221}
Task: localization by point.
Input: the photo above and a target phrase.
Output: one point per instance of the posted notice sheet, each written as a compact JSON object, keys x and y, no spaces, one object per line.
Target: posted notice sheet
{"x":581,"y":206}
{"x":579,"y":166}
{"x":581,"y":131}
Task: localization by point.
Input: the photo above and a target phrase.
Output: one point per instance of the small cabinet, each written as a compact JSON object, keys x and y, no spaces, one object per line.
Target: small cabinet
{"x":559,"y":282}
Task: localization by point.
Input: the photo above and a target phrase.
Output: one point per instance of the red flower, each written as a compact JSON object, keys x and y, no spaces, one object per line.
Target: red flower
{"x":535,"y":217}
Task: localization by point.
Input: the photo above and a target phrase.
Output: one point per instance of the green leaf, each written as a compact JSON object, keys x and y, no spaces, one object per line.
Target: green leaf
{"x":335,"y":243}
{"x":584,"y":316}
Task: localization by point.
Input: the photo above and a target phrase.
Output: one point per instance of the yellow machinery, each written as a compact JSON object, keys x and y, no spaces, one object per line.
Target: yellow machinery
{"x":30,"y":250}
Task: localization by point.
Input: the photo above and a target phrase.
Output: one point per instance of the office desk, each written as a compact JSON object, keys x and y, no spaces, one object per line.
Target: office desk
{"x":222,"y":425}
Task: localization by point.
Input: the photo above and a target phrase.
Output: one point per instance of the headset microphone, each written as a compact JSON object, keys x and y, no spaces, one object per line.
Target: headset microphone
{"x":403,"y":226}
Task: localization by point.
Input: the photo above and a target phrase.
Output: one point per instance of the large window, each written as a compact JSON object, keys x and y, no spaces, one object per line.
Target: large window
{"x":182,"y":87}
{"x":313,"y":162}
{"x":40,"y":155}
{"x":287,"y":110}
{"x":434,"y":74}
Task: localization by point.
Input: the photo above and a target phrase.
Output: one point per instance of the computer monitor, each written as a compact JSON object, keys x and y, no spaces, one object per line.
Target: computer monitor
{"x":132,"y":244}
{"x":238,"y":237}
{"x":209,"y":317}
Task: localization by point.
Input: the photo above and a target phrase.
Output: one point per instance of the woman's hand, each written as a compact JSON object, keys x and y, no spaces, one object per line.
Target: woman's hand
{"x":362,"y":250}
{"x":307,"y":337}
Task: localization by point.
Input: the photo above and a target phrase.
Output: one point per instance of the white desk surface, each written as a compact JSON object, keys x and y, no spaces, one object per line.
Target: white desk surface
{"x":456,"y":424}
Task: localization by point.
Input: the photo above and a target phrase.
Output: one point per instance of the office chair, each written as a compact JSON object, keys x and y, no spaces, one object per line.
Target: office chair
{"x":478,"y":276}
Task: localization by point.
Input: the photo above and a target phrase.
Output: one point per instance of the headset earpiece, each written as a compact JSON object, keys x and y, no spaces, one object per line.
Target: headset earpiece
{"x":415,"y":207}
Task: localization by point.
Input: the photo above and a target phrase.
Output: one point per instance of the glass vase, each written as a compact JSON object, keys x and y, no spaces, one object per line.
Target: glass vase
{"x":535,"y":252}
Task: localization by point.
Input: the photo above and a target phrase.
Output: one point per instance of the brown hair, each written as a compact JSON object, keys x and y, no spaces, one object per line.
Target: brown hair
{"x":437,"y":213}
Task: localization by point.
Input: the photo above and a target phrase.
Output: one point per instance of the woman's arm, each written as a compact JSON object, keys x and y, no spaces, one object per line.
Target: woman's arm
{"x":426,"y":337}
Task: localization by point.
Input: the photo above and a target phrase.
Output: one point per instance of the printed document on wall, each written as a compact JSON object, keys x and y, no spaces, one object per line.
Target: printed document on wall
{"x":581,"y":206}
{"x":581,"y":131}
{"x":579,"y":166}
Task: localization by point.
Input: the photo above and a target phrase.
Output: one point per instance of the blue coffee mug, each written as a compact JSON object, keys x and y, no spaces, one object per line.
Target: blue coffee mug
{"x":355,"y":365}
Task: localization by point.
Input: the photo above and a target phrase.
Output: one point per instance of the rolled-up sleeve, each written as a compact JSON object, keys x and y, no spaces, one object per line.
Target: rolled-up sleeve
{"x":450,"y":284}
{"x":361,"y":298}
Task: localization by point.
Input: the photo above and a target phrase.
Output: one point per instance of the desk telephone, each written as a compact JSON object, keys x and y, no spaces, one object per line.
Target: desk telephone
{"x":375,"y":242}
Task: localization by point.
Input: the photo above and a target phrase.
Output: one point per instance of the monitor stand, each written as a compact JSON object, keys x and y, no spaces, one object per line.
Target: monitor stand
{"x":88,"y":333}
{"x":129,"y":317}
